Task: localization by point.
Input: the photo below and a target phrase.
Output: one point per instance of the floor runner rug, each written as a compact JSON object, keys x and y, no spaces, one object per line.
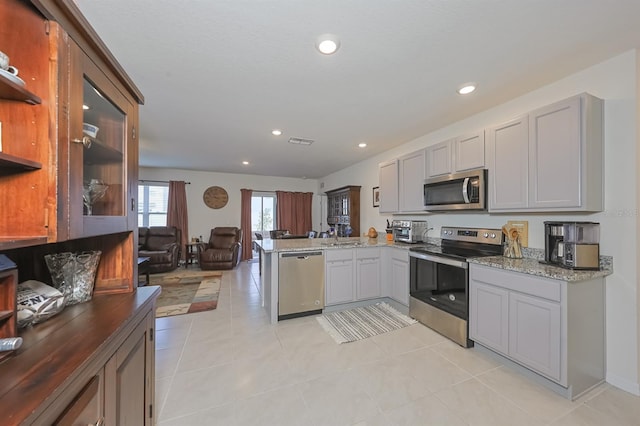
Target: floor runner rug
{"x":360,"y":323}
{"x":187,"y":292}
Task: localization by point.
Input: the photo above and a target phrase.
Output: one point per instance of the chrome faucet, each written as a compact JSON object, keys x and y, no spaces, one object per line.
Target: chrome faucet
{"x":334,"y":231}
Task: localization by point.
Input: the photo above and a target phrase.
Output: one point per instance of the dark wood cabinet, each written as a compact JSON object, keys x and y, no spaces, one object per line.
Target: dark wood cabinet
{"x":45,"y":168}
{"x":27,"y":156}
{"x":94,"y":360}
{"x":343,"y":210}
{"x":52,"y":376}
{"x":8,"y":320}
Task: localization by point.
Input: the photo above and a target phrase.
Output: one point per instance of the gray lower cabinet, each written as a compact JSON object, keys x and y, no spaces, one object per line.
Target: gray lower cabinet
{"x":368,"y":282}
{"x":554,"y":328}
{"x":534,"y":333}
{"x":352,"y":275}
{"x":397,"y":274}
{"x":339,"y":277}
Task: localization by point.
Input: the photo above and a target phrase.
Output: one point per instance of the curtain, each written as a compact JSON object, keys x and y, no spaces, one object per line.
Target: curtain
{"x":177,"y":212}
{"x":294,"y":211}
{"x":245,"y":223}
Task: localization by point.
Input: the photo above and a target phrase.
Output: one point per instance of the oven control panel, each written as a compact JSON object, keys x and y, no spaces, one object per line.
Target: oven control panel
{"x":473,"y":235}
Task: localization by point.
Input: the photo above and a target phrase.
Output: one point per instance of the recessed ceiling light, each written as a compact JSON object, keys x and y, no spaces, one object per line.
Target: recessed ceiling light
{"x":246,"y":163}
{"x":327,"y":44}
{"x":276,"y":132}
{"x":466,"y":88}
{"x":362,"y":145}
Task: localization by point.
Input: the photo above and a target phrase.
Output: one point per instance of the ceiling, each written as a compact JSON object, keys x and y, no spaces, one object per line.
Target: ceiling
{"x":219,"y":75}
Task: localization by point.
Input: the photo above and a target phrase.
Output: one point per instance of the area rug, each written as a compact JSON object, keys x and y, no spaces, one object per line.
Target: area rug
{"x":360,"y":323}
{"x":186,"y":292}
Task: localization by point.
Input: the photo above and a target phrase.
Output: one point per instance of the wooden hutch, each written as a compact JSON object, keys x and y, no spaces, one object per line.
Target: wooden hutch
{"x":94,"y":362}
{"x":343,"y":210}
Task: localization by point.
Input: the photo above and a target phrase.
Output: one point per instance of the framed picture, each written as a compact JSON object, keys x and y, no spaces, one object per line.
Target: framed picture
{"x":376,"y":196}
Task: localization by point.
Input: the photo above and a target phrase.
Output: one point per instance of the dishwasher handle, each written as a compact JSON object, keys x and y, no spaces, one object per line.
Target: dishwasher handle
{"x":301,"y":255}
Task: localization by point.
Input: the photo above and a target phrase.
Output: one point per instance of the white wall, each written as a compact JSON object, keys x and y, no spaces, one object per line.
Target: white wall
{"x":202,"y":218}
{"x":615,"y":81}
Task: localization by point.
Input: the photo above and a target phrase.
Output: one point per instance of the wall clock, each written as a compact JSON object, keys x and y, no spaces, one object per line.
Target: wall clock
{"x":215,"y":197}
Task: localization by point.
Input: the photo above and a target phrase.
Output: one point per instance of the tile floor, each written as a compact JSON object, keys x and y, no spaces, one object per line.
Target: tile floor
{"x":231,"y":367}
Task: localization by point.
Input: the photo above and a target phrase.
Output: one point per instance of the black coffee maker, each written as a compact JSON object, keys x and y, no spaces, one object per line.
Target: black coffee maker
{"x":574,"y":245}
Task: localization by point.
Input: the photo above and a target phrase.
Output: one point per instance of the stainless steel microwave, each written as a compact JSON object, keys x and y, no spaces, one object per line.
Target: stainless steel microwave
{"x":459,"y":191}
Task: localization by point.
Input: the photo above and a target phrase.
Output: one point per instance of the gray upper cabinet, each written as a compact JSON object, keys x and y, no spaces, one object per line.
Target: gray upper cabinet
{"x":401,"y":183}
{"x":508,"y":164}
{"x":566,"y":155}
{"x":469,"y":152}
{"x":411,"y":170}
{"x":550,"y":159}
{"x":388,"y":182}
{"x":455,"y":155}
{"x":439,"y":158}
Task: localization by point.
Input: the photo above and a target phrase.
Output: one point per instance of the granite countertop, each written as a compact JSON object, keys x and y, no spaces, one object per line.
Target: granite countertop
{"x":306,"y":244}
{"x":532,"y":266}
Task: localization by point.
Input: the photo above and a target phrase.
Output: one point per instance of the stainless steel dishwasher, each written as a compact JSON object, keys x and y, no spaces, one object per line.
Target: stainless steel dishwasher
{"x":300,"y":284}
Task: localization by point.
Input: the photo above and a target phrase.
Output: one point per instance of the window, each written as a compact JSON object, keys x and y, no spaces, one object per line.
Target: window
{"x":152,"y":204}
{"x":263,"y":213}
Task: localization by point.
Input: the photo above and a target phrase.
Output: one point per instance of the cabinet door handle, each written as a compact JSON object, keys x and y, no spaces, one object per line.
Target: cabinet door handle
{"x":86,"y":141}
{"x":133,"y":204}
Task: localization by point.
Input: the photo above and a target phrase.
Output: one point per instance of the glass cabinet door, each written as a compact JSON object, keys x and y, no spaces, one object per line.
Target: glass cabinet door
{"x":102,"y":150}
{"x":104,"y":141}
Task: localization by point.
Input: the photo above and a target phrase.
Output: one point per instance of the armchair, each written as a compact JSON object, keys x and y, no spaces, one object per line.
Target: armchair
{"x":161,"y":244}
{"x":223,"y":249}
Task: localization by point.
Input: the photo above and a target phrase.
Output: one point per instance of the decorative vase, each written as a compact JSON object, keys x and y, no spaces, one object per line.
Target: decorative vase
{"x":74,"y":274}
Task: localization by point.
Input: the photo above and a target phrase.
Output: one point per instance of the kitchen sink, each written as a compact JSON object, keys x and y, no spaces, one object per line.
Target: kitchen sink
{"x":344,"y":244}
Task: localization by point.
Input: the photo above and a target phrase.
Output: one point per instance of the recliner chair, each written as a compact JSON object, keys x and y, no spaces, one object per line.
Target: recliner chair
{"x":223,"y":249}
{"x":161,"y":244}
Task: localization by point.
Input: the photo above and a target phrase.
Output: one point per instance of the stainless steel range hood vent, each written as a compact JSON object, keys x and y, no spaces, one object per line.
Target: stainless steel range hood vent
{"x":301,"y":141}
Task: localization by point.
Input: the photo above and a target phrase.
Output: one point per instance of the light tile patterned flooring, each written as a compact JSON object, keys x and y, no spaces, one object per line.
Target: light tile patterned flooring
{"x":231,"y":367}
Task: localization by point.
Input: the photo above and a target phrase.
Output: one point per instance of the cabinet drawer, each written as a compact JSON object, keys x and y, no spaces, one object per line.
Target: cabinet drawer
{"x":523,"y":283}
{"x":367,"y":253}
{"x":340,"y":254}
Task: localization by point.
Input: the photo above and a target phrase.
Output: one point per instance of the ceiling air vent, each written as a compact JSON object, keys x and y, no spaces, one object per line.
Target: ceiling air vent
{"x":301,"y":141}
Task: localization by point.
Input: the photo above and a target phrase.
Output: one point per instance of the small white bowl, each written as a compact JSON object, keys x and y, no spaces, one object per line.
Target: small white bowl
{"x":90,"y":130}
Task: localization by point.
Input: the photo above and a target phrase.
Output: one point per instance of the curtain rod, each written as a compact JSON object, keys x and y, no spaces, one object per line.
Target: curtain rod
{"x":158,"y":181}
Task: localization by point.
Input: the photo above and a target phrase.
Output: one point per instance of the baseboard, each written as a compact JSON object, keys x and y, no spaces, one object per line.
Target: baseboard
{"x":624,"y":384}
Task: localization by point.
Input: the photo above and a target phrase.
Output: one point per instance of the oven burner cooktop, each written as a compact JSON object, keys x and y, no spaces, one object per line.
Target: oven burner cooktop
{"x":463,"y":243}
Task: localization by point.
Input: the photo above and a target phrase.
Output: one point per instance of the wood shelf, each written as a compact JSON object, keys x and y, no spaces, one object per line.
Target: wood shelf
{"x":8,"y":243}
{"x":15,"y":92}
{"x":4,"y":315}
{"x":100,"y":153}
{"x":10,"y":164}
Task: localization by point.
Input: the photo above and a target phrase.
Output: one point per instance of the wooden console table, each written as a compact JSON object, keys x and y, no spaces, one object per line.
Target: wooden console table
{"x":143,"y":268}
{"x":190,"y":253}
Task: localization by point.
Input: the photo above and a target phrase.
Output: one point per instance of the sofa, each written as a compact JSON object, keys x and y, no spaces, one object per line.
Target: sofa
{"x":161,"y":244}
{"x":223,"y":249}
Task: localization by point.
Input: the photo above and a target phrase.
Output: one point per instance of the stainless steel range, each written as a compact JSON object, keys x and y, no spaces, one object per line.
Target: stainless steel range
{"x":439,"y":279}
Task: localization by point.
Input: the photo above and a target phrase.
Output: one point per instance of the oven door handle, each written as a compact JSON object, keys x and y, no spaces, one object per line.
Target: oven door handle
{"x":439,"y":259}
{"x":465,"y":192}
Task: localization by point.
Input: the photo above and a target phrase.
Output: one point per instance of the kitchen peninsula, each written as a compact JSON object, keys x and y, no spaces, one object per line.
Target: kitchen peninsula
{"x":367,"y":258}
